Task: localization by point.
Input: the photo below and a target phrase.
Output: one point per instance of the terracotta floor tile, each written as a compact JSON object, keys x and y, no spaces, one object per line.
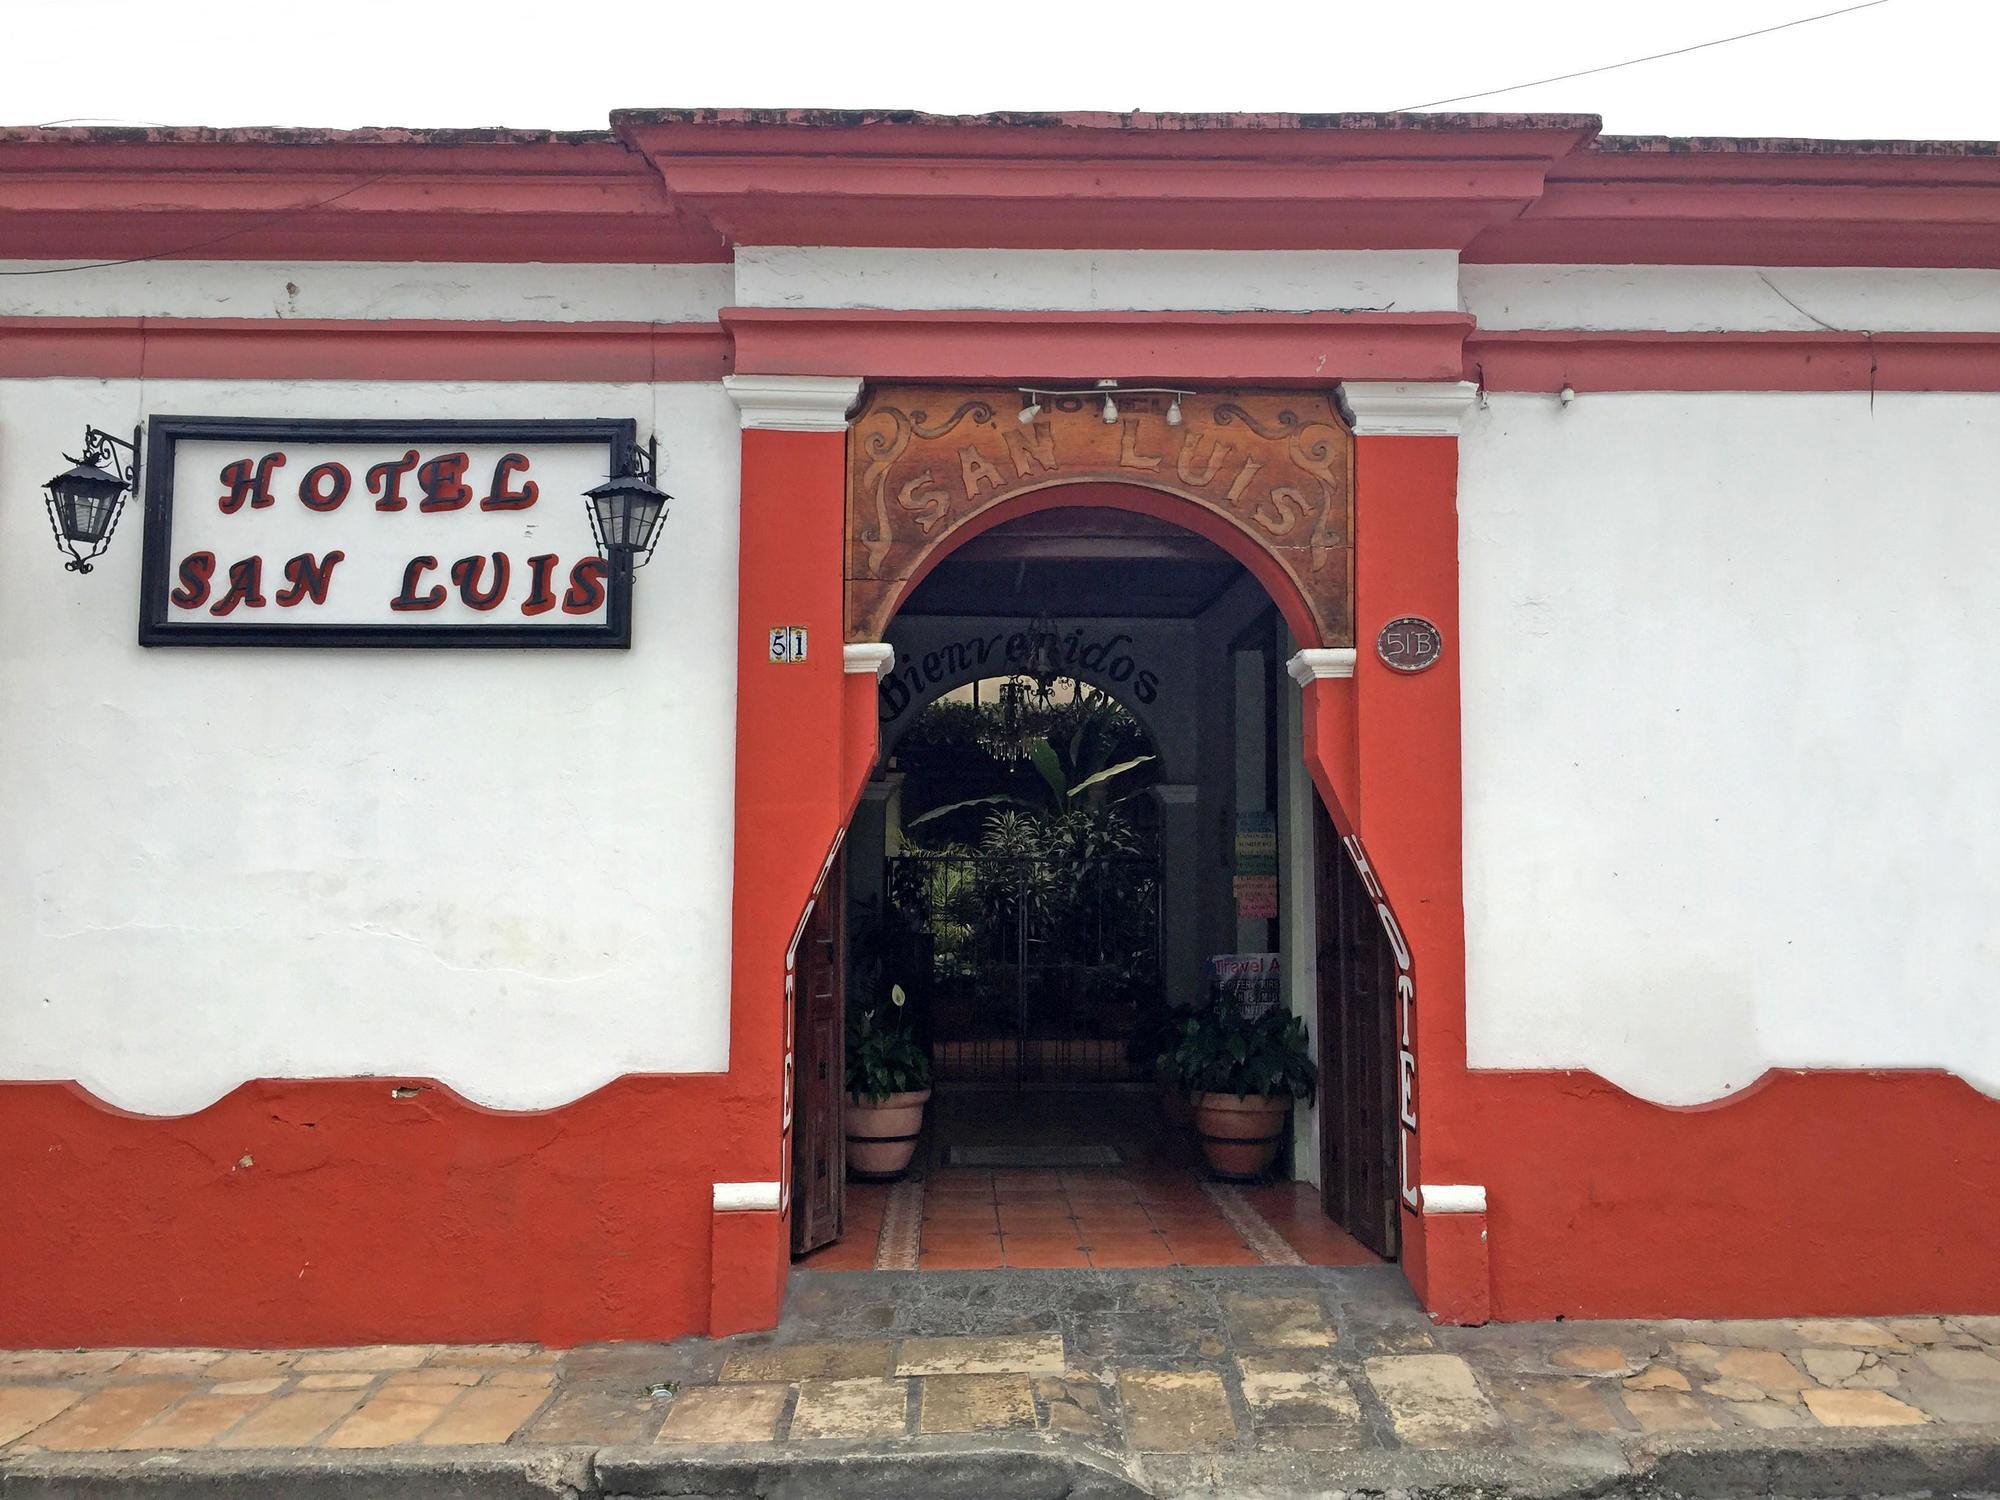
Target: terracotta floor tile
{"x":1127,"y":1257}
{"x":1102,"y":1192}
{"x":1032,"y":1254}
{"x":958,"y":1260}
{"x":959,"y":1189}
{"x":1033,"y":1177}
{"x":960,"y":1244}
{"x":1013,"y":1246}
{"x":974,"y":1212}
{"x":1192,"y":1238}
{"x":1035,"y":1213}
{"x":1183,"y":1229}
{"x":1164,"y":1203}
{"x":1240,"y":1255}
{"x":850,"y":1253}
{"x":1123,"y":1242}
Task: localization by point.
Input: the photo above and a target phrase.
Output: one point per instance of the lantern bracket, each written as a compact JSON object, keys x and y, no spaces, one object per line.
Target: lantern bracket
{"x":101,"y":451}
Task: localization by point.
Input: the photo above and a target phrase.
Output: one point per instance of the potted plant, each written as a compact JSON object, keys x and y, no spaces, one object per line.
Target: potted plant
{"x":1244,"y":1072}
{"x":888,"y":1084}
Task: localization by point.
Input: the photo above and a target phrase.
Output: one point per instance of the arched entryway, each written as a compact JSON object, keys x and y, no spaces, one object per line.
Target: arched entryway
{"x":1163,"y":594}
{"x":1381,"y":748}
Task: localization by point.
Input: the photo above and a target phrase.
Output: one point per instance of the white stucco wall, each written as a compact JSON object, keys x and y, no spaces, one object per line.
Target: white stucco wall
{"x":1097,"y":280}
{"x":528,"y":292}
{"x":1700,"y":299}
{"x":1730,"y":709}
{"x":506,"y":869}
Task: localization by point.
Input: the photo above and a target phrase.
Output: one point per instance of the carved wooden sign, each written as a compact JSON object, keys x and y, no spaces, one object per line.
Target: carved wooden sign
{"x":1276,"y":466}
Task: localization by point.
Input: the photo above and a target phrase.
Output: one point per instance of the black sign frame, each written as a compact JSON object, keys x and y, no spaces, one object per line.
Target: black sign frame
{"x":620,"y":436}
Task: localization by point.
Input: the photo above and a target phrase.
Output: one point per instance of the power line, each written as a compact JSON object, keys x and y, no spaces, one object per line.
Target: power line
{"x":1721,"y":41}
{"x":135,"y":260}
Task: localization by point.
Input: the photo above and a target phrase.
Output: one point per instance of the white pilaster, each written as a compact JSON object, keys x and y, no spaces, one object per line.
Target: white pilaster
{"x":1406,"y":408}
{"x":1315,"y":662}
{"x":867,"y":656}
{"x":794,"y":403}
{"x":1454,"y":1198}
{"x":740,"y":1197}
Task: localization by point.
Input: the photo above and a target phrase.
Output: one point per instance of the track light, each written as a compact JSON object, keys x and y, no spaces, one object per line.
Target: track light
{"x":1107,"y":392}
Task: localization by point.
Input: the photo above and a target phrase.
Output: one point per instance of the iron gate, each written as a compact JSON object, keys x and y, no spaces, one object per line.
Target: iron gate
{"x":1032,"y":970}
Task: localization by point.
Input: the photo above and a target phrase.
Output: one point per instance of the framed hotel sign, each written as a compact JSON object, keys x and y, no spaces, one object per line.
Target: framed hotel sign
{"x":280,"y":532}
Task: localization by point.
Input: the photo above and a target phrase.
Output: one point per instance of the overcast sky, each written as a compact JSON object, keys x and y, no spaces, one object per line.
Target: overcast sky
{"x":1904,"y":68}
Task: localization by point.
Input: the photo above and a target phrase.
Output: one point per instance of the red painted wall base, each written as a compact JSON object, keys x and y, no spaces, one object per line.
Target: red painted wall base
{"x":337,"y":1212}
{"x":1458,"y":1280}
{"x":748,"y":1266}
{"x":1814,"y":1193}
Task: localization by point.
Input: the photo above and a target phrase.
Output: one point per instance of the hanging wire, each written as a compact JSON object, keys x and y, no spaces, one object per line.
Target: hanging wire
{"x":1721,"y":41}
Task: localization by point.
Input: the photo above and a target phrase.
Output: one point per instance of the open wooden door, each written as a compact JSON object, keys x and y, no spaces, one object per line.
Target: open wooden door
{"x":1357,"y":1049}
{"x":819,"y":1166}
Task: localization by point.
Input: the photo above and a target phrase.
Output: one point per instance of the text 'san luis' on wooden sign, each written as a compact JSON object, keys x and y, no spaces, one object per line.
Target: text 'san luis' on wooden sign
{"x":273,"y":532}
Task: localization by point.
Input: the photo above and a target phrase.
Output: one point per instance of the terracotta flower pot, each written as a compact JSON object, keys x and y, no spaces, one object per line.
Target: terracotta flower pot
{"x":1240,"y":1137}
{"x":882,"y":1134}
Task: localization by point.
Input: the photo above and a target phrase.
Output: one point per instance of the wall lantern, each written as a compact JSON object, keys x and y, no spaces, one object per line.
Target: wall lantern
{"x":85,"y":500}
{"x":626,"y":510}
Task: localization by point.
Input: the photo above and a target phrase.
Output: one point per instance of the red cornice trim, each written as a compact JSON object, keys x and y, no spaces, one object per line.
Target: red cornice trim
{"x":321,"y":349}
{"x":678,"y":186}
{"x":1274,"y":348}
{"x":392,"y":198}
{"x":1306,"y":349}
{"x":1817,"y":361}
{"x":1757,"y":208}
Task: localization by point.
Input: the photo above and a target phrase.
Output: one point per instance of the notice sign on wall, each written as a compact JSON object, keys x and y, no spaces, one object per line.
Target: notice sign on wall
{"x":331,"y":533}
{"x":1256,"y":880}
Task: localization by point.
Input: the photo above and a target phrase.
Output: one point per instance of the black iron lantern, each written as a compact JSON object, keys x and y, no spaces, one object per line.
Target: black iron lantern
{"x":85,"y":501}
{"x":626,"y":510}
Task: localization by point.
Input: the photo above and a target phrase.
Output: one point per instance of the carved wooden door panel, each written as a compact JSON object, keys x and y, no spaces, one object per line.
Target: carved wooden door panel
{"x":819,"y":1166}
{"x":1357,"y":1046}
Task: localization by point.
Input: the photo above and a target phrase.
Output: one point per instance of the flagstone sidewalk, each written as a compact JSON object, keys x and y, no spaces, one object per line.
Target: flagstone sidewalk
{"x":1281,"y":1379}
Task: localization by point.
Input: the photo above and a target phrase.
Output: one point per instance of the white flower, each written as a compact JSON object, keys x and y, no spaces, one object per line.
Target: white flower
{"x":896,"y":996}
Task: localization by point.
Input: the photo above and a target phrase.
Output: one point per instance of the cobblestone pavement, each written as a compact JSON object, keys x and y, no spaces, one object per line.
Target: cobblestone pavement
{"x":1182,"y":1379}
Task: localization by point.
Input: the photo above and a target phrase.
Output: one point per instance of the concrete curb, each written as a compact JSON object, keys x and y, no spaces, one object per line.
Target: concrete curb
{"x":1880,"y":1461}
{"x":1028,"y":1469}
{"x":1820,"y":1464}
{"x":436,"y":1474}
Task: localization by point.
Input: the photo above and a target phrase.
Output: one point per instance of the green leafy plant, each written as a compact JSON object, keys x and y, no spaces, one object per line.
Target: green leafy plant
{"x":1074,"y":772}
{"x":1218,"y":1050}
{"x":883,"y":1057}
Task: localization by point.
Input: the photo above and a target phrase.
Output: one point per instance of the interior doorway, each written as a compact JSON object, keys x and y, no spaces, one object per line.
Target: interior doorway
{"x":1023,"y":902}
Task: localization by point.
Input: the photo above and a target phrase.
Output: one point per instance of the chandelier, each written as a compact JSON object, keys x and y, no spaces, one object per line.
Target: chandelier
{"x":1025,"y":710}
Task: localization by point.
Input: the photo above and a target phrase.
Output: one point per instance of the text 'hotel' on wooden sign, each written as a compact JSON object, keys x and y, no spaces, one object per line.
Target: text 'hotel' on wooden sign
{"x":263,"y":532}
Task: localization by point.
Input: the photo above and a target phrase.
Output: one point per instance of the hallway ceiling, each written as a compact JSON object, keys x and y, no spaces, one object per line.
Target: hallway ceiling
{"x":1079,"y":563}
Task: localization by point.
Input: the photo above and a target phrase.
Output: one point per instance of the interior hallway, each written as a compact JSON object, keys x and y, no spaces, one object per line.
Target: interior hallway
{"x":1157,"y":1207}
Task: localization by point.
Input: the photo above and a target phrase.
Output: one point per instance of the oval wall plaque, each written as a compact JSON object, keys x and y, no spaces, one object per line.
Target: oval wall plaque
{"x":1409,"y":643}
